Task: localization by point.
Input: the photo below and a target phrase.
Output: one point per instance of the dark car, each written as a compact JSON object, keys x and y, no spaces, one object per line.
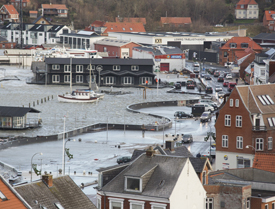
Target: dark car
{"x":187,"y":138}
{"x":124,"y":159}
{"x":208,"y":90}
{"x":180,"y":114}
{"x":217,"y":74}
{"x":225,"y":83}
{"x":177,"y":86}
{"x":211,"y":70}
{"x":202,"y":75}
{"x":220,"y":79}
{"x":205,"y":116}
{"x":207,"y":77}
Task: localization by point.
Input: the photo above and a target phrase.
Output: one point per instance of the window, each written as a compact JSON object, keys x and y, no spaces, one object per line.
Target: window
{"x":67,"y":68}
{"x":273,"y":205}
{"x":271,"y":121}
{"x":244,"y":45}
{"x":263,"y":72}
{"x":109,"y":80}
{"x":225,"y":54}
{"x":233,"y":45}
{"x":145,"y":80}
{"x":227,"y":120}
{"x":248,"y":203}
{"x":98,"y":205}
{"x":266,"y":206}
{"x":259,"y":144}
{"x":55,"y":67}
{"x":224,"y":141}
{"x":3,"y":197}
{"x":270,"y":143}
{"x":127,"y":80}
{"x":209,"y":203}
{"x":231,"y":103}
{"x":89,"y":67}
{"x":133,"y":184}
{"x":134,"y":204}
{"x":79,"y":78}
{"x":204,"y":178}
{"x":134,"y":67}
{"x":67,"y":78}
{"x":115,"y":203}
{"x":157,"y":205}
{"x":58,"y":205}
{"x":79,"y":68}
{"x":242,"y":6}
{"x":265,"y":99}
{"x":116,"y":67}
{"x":238,"y":121}
{"x":3,"y":46}
{"x":105,"y":49}
{"x":271,"y":22}
{"x":239,"y":142}
{"x":236,"y":103}
{"x":40,"y":34}
{"x":243,"y":163}
{"x":55,"y":78}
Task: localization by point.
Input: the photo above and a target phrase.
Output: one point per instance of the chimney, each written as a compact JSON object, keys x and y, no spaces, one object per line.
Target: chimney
{"x":48,"y":179}
{"x":170,"y":145}
{"x":150,"y":152}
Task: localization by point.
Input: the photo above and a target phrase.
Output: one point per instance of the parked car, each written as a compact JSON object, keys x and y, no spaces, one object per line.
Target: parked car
{"x":202,"y":75}
{"x":205,"y":116}
{"x":225,"y":83}
{"x":207,"y":77}
{"x":220,"y":79}
{"x":218,"y":26}
{"x":228,"y":76}
{"x":196,"y":69}
{"x":207,"y":107}
{"x":190,"y":84}
{"x":208,"y":90}
{"x":177,"y":86}
{"x":187,"y":138}
{"x":180,"y":114}
{"x":218,"y":88}
{"x":231,"y":86}
{"x":225,"y":73}
{"x":216,"y":74}
{"x":212,"y":70}
{"x":221,"y":94}
{"x":210,"y":102}
{"x":124,"y":159}
{"x":196,"y":64}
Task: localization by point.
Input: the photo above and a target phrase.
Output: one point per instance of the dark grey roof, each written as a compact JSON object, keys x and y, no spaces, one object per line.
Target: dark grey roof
{"x":2,"y":39}
{"x":55,"y":28}
{"x":15,"y":26}
{"x":263,"y":193}
{"x":198,"y":163}
{"x":136,"y":154}
{"x":87,"y":61}
{"x":6,"y":111}
{"x":179,"y":151}
{"x":112,"y":167}
{"x":37,"y":27}
{"x":162,"y":50}
{"x":63,"y":191}
{"x":265,"y":36}
{"x":167,"y":169}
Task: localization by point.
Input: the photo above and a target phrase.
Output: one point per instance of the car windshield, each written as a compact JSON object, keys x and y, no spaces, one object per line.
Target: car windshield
{"x":218,"y":86}
{"x":232,"y":85}
{"x":204,"y":114}
{"x":186,"y":136}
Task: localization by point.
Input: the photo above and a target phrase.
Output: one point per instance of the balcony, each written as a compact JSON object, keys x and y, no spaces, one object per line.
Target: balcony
{"x":258,"y":128}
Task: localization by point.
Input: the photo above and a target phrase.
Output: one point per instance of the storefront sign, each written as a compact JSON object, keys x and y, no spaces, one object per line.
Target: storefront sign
{"x":175,"y":57}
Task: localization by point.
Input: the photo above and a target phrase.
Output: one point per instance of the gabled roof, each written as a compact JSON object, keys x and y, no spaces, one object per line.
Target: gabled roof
{"x":16,"y":111}
{"x":245,"y":3}
{"x":264,"y":161}
{"x":166,"y":169}
{"x":63,"y":191}
{"x":37,"y":27}
{"x":239,"y":40}
{"x":97,"y":23}
{"x":40,"y":17}
{"x":175,"y":20}
{"x":123,"y":27}
{"x":14,"y":200}
{"x":181,"y":151}
{"x":33,"y":12}
{"x":268,"y":15}
{"x":132,"y":19}
{"x":114,"y":42}
{"x":56,"y":28}
{"x":54,"y":6}
{"x":10,"y":9}
{"x":200,"y":163}
{"x":265,"y":36}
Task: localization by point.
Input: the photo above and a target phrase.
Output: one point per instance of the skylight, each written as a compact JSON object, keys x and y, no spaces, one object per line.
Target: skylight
{"x":265,"y":99}
{"x":123,"y":28}
{"x":131,"y":28}
{"x":57,"y":27}
{"x":38,"y":27}
{"x":2,"y":196}
{"x":58,"y":205}
{"x":271,"y":121}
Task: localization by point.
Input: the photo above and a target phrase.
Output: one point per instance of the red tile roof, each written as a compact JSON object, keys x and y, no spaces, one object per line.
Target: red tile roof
{"x":240,"y":54}
{"x":54,"y":6}
{"x":245,"y":3}
{"x":238,"y":40}
{"x":13,"y":201}
{"x":131,"y":19}
{"x":23,"y":1}
{"x":98,"y":23}
{"x":33,"y":12}
{"x":268,"y":14}
{"x":123,"y":27}
{"x":11,"y":10}
{"x":264,"y":161}
{"x":176,"y":20}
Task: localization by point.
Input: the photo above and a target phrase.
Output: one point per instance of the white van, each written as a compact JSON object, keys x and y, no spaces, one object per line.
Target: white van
{"x":210,"y":102}
{"x":207,"y":107}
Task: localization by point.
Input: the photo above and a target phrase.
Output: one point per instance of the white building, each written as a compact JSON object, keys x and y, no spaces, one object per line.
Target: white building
{"x":247,"y":9}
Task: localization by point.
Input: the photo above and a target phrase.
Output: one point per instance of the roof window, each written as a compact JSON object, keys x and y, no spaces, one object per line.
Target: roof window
{"x":58,"y":205}
{"x":133,"y":184}
{"x":244,"y":45}
{"x":131,"y":28}
{"x":3,"y":197}
{"x":233,"y":45}
{"x":265,"y":100}
{"x":123,"y":28}
{"x":271,"y":121}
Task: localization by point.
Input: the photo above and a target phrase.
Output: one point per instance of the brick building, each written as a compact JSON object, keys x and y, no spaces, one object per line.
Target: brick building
{"x":268,"y":19}
{"x":16,"y":3}
{"x":245,"y":125}
{"x":175,"y":21}
{"x":244,"y":59}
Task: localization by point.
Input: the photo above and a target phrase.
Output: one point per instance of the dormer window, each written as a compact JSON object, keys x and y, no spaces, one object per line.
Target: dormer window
{"x":233,"y":45}
{"x":116,"y":68}
{"x":3,"y":197}
{"x":134,"y":68}
{"x":244,"y":45}
{"x":242,"y":6}
{"x":133,"y":184}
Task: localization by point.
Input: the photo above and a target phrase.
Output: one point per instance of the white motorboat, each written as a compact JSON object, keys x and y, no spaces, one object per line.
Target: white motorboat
{"x":78,"y":96}
{"x":92,"y":93}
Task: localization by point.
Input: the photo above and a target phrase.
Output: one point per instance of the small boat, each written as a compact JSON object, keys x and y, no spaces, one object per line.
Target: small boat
{"x":78,"y":96}
{"x":92,"y":93}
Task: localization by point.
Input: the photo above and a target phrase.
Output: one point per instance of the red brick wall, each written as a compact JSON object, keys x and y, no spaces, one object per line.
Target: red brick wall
{"x":130,"y":46}
{"x":7,"y":45}
{"x":113,"y":51}
{"x":245,"y":64}
{"x":255,"y":203}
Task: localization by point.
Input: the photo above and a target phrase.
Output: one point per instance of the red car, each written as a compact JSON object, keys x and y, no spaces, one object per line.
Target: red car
{"x":225,"y":83}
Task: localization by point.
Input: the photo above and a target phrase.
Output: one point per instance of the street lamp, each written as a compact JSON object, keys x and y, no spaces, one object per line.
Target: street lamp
{"x":64,"y":154}
{"x":247,"y":146}
{"x":31,"y":161}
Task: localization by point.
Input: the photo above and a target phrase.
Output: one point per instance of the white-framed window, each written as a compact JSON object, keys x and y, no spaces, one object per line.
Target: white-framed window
{"x":67,"y":68}
{"x":203,"y":177}
{"x":116,"y":203}
{"x":225,"y":141}
{"x":236,"y":103}
{"x":98,"y":204}
{"x":266,"y":206}
{"x":55,"y":67}
{"x":247,"y":203}
{"x":127,"y":80}
{"x":273,"y":205}
{"x":105,"y":49}
{"x":158,"y":205}
{"x":259,"y":144}
{"x":135,"y":68}
{"x":55,"y":78}
{"x":271,"y":22}
{"x":109,"y":80}
{"x":227,"y":120}
{"x":238,"y":121}
{"x":79,"y":78}
{"x":79,"y":68}
{"x":116,"y":67}
{"x":239,"y":142}
{"x":209,"y":203}
{"x":270,"y":143}
{"x":67,"y":78}
{"x":134,"y":204}
{"x":133,"y":184}
{"x":263,"y":72}
{"x":145,"y":80}
{"x":231,"y":103}
{"x":90,"y":67}
{"x":243,"y":162}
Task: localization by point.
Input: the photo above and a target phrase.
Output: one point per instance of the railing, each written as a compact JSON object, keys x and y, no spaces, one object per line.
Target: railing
{"x":258,"y":128}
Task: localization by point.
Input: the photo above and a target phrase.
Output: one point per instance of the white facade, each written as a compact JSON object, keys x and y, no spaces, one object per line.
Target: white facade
{"x":188,"y":192}
{"x":229,"y":160}
{"x":252,"y":12}
{"x":259,"y":74}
